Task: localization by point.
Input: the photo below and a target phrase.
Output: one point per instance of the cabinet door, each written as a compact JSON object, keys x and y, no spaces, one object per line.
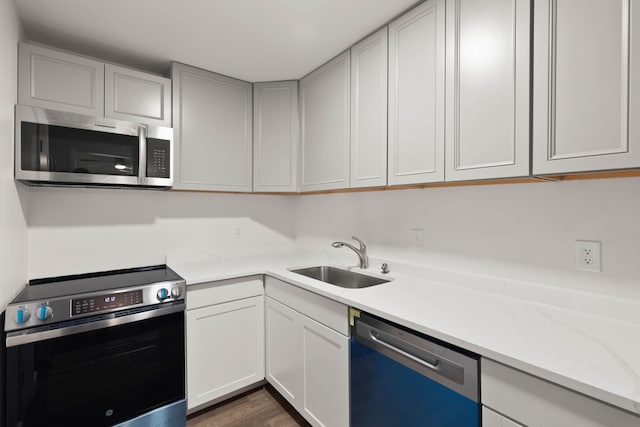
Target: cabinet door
{"x":225,"y":349}
{"x":585,"y":84}
{"x":52,"y":79}
{"x":275,"y":136}
{"x":487,"y":89}
{"x":538,"y":403}
{"x":325,"y":104}
{"x":493,"y":419}
{"x":212,"y":129}
{"x":284,"y":350}
{"x":417,"y":95}
{"x":326,"y":375}
{"x":136,"y":96}
{"x":369,"y":111}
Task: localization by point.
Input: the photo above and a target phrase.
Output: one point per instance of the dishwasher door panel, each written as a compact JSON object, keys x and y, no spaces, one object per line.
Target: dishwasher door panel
{"x":394,"y":391}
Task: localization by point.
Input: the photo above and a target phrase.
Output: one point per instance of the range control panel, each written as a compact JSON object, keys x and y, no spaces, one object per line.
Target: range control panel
{"x":106,"y":302}
{"x":23,"y":315}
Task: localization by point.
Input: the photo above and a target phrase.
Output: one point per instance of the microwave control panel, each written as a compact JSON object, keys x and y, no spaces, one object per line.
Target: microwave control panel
{"x":158,"y":158}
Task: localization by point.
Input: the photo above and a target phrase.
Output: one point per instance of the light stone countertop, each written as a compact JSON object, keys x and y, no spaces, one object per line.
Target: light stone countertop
{"x":585,"y":342}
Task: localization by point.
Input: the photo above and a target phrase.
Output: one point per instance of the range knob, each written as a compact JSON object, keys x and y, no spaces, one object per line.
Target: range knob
{"x":44,"y":312}
{"x":176,"y":292}
{"x":22,"y":315}
{"x":162,"y":294}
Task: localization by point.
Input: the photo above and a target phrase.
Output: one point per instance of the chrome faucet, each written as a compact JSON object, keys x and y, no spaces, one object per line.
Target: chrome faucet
{"x":362,"y":252}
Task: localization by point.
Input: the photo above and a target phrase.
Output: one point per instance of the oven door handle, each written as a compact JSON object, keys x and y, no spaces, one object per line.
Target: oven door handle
{"x":41,"y":334}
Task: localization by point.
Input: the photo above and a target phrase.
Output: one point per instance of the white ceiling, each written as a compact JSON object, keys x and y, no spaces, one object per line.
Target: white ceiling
{"x":253,"y":40}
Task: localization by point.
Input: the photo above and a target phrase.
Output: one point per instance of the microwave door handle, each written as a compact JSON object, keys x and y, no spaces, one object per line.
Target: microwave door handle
{"x":42,"y":136}
{"x":142,"y":162}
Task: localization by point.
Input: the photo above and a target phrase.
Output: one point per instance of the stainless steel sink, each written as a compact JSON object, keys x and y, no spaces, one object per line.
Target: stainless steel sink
{"x":340,"y":277}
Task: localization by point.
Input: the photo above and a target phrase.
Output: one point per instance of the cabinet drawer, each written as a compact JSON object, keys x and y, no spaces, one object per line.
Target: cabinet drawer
{"x":211,"y":293}
{"x":493,"y":419}
{"x":323,"y":310}
{"x":537,"y":403}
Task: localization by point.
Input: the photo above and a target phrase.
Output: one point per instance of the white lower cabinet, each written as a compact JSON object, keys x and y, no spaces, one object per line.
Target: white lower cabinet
{"x":493,"y":419}
{"x":533,"y":402}
{"x":307,"y":359}
{"x":284,"y":350}
{"x":325,"y":377}
{"x":225,"y":339}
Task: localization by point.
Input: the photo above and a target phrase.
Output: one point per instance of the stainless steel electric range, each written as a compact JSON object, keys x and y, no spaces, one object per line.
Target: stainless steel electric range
{"x":98,"y":349}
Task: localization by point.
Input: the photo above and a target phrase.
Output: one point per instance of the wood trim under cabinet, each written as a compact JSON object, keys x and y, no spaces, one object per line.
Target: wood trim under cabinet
{"x":527,"y":180}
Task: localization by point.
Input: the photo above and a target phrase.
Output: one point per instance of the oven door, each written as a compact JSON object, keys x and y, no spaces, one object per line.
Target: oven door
{"x":100,"y":377}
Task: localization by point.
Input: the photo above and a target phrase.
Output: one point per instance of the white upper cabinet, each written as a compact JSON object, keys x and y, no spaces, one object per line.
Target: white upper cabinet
{"x":62,"y":81}
{"x":57,"y":80}
{"x":212,"y":130}
{"x":369,"y":111}
{"x":586,"y":86}
{"x":137,"y":96}
{"x":487,"y":133}
{"x":275,"y":136}
{"x":325,"y":126}
{"x":417,"y":95}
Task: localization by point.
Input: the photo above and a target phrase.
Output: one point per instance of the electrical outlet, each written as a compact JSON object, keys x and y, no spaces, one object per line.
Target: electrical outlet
{"x":417,"y":238}
{"x":237,"y":232}
{"x":588,"y":255}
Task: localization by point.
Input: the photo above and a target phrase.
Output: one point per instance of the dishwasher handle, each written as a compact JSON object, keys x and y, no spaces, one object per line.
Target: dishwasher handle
{"x":375,"y":336}
{"x":442,"y":364}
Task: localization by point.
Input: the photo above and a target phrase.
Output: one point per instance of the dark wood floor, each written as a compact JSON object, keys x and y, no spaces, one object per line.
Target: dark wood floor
{"x":260,"y":407}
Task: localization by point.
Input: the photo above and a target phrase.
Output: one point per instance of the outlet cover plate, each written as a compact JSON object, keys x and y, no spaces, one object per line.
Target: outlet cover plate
{"x":588,"y":255}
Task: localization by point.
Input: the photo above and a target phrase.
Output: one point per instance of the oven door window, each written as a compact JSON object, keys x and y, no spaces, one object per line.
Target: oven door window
{"x":60,"y":149}
{"x":97,"y":378}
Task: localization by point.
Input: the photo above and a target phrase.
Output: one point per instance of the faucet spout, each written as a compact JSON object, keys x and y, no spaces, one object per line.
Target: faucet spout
{"x":361,"y":252}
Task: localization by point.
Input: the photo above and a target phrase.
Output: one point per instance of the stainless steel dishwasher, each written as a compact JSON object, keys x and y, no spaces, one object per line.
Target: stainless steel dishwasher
{"x":399,"y":377}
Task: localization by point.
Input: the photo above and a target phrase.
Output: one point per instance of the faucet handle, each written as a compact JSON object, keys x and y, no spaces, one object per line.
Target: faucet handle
{"x":363,"y":247}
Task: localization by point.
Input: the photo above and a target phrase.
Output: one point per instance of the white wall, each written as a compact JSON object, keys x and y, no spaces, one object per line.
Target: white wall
{"x":518,"y":231}
{"x":523,"y":231}
{"x":75,"y":230}
{"x":13,"y":230}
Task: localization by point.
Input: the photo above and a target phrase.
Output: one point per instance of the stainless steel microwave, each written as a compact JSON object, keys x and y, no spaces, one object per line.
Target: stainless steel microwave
{"x":59,"y":148}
